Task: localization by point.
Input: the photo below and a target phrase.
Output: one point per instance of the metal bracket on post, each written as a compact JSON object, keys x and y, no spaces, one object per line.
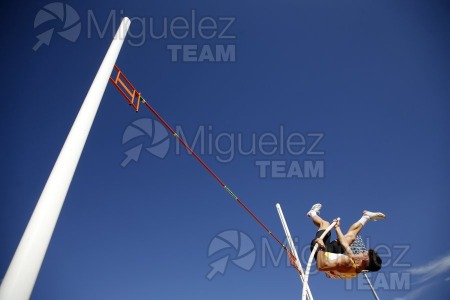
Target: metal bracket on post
{"x":124,"y":86}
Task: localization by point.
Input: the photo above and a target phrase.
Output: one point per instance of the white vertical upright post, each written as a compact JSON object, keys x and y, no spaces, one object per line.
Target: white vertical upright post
{"x":292,"y":247}
{"x":22,"y":273}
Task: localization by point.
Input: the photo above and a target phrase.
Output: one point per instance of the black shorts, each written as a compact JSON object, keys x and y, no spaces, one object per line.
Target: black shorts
{"x":333,"y":247}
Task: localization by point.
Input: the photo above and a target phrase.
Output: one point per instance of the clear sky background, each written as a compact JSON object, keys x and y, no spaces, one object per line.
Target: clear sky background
{"x":371,"y":77}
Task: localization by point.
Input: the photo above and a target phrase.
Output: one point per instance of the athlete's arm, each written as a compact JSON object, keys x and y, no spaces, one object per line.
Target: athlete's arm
{"x":342,"y":240}
{"x":323,"y":264}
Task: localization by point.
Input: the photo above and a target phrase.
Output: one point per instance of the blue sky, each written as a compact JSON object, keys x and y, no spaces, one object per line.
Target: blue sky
{"x":370,"y":78}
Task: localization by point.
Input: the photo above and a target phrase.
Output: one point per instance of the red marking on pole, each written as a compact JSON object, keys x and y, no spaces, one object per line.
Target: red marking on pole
{"x":128,"y":92}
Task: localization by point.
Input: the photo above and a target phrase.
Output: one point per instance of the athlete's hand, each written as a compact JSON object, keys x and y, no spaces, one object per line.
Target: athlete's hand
{"x":320,"y":243}
{"x":337,"y":224}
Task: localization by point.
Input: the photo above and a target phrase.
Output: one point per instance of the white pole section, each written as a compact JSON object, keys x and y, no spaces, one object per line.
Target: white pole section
{"x":308,"y":267}
{"x":292,"y":247}
{"x":371,"y":287}
{"x":22,"y":273}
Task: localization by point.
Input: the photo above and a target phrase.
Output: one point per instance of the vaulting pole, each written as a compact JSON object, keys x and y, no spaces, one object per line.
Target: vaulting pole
{"x":308,"y":267}
{"x":22,"y":273}
{"x":293,"y":249}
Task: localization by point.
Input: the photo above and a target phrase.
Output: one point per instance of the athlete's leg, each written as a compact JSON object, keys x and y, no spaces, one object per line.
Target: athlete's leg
{"x":356,"y":228}
{"x":353,"y":231}
{"x":321,"y":223}
{"x":314,"y":215}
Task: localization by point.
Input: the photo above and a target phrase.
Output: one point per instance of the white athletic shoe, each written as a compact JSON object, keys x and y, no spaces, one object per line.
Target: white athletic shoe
{"x":374,"y":216}
{"x":316,"y":207}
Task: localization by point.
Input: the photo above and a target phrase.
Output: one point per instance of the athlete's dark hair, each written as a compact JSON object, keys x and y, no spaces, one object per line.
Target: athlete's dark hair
{"x":374,"y":261}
